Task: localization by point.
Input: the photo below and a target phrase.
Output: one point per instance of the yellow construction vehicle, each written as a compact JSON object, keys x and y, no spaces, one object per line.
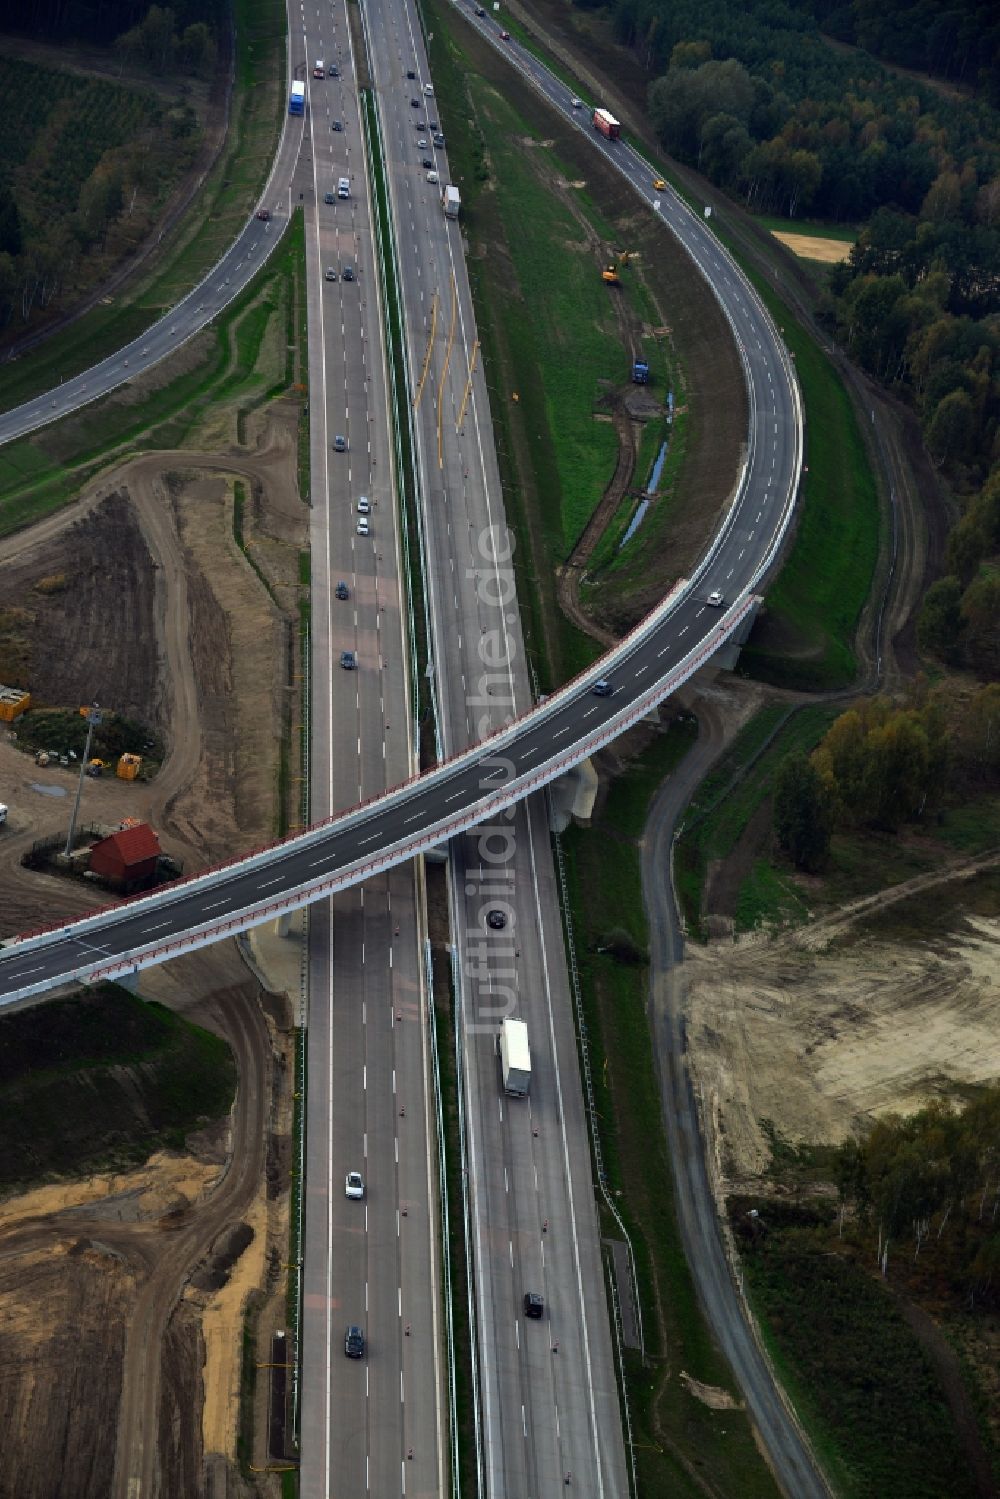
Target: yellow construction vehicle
{"x":625,"y":256}
{"x":610,"y":276}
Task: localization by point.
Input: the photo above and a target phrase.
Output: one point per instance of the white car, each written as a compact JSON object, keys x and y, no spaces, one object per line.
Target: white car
{"x":364,"y":505}
{"x":354,"y":1185}
{"x":432,"y":177}
{"x":715,"y":599}
{"x":363,"y":526}
{"x":576,"y":103}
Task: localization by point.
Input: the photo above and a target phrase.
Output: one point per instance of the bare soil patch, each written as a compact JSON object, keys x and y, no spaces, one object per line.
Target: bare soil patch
{"x":821,"y":1031}
{"x":813,"y":247}
{"x":185,"y":635}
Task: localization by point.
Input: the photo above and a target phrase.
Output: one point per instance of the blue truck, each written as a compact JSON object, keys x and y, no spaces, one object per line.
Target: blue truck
{"x":297,"y":99}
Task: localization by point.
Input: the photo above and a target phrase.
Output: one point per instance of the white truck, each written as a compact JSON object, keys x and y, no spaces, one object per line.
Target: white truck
{"x":3,"y":813}
{"x":319,"y":70}
{"x":451,"y":202}
{"x":515,"y":1057}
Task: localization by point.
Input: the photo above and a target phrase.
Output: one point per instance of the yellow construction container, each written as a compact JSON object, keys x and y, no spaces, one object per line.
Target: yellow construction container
{"x":13,"y":702}
{"x":128,"y":767}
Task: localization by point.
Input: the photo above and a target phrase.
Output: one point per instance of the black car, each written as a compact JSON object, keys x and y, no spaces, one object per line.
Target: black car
{"x":336,"y":125}
{"x":410,"y":73}
{"x":432,"y":124}
{"x":329,"y":198}
{"x":534,"y":1304}
{"x":439,"y":139}
{"x":425,"y":161}
{"x":414,"y":103}
{"x":347,"y":273}
{"x":419,"y":125}
{"x":348,"y":660}
{"x":342,"y":591}
{"x":496,"y":919}
{"x":354,"y":1342}
{"x":333,"y":71}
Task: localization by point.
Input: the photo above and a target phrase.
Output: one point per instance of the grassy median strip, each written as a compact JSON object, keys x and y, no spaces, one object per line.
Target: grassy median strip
{"x":400,"y":411}
{"x":683,"y":1446}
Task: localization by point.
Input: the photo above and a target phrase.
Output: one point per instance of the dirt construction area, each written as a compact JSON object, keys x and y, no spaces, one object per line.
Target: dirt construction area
{"x":880,"y":1007}
{"x":124,"y":1297}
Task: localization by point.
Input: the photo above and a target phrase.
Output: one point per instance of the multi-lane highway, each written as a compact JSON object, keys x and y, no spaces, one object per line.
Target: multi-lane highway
{"x":373,"y":1424}
{"x":666,"y":649}
{"x":549,"y":1402}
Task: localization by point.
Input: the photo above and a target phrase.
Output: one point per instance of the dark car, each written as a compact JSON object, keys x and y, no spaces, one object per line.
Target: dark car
{"x":432,"y":124}
{"x":348,"y":660}
{"x":348,"y":273}
{"x":439,"y":139}
{"x":419,"y":125}
{"x":333,"y":71}
{"x":410,"y":73}
{"x":262,"y":213}
{"x":329,"y":198}
{"x":480,"y":11}
{"x":425,"y":161}
{"x":602,"y":688}
{"x":534,"y":1305}
{"x":496,"y":919}
{"x":354,"y":1343}
{"x":336,"y":125}
{"x":340,"y":444}
{"x":414,"y":103}
{"x":505,"y":36}
{"x":342,"y":591}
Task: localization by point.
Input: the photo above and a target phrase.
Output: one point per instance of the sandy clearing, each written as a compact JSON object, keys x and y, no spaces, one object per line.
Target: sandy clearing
{"x":709,"y":1394}
{"x":222,"y":1328}
{"x":820,"y":1042}
{"x":161,"y":1185}
{"x":812,"y":247}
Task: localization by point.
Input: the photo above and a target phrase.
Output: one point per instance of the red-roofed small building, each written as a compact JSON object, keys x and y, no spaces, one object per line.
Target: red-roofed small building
{"x":128,"y":856}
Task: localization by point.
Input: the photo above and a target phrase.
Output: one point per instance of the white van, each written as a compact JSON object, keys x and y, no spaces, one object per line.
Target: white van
{"x":429,"y":90}
{"x":343,"y":187}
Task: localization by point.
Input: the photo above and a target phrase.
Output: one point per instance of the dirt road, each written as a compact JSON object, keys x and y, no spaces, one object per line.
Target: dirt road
{"x":187,"y":639}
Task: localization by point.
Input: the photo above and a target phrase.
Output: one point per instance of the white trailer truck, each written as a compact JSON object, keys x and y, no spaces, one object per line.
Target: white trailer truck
{"x":515,"y":1057}
{"x":451,"y":201}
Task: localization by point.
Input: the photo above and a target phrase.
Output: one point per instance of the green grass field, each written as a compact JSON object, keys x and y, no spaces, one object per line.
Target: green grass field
{"x":40,"y":474}
{"x":723,"y":806}
{"x":101,"y":1080}
{"x":683,"y":1447}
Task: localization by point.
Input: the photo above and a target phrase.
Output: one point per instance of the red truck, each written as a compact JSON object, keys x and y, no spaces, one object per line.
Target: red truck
{"x":607,"y":124}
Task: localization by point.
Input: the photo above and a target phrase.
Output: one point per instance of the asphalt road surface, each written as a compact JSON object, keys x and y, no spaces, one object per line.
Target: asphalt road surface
{"x":374,"y":1424}
{"x":648,"y":664}
{"x":782,"y":1438}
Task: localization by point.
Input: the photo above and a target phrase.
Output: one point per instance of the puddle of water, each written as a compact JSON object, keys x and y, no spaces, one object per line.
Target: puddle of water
{"x":654,"y":478}
{"x":635,"y":522}
{"x":47,"y":790}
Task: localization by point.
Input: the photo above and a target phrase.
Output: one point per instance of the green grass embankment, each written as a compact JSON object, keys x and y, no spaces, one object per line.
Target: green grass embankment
{"x":683,"y":1447}
{"x":41,"y":473}
{"x":210,"y":225}
{"x":724,"y":804}
{"x":806,"y":637}
{"x":100,"y":1081}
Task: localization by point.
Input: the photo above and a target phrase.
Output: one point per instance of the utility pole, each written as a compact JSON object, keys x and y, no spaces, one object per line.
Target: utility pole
{"x":93,"y":722}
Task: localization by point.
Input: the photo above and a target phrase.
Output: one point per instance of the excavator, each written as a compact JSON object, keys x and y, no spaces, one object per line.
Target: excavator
{"x":610,"y":275}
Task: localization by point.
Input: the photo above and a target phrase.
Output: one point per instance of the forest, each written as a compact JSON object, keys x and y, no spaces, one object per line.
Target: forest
{"x":101,"y":21}
{"x":86,"y":162}
{"x":768,"y":102}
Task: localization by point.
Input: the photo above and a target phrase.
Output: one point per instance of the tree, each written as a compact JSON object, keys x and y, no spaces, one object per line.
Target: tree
{"x":981,"y":617}
{"x":802,"y":813}
{"x":197,"y":49}
{"x":939,"y":628}
{"x":950,"y":429}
